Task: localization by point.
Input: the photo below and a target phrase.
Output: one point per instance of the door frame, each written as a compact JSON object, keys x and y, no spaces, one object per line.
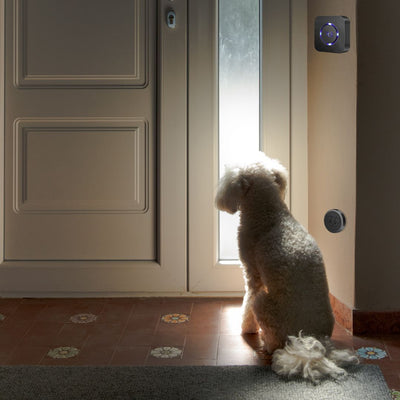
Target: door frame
{"x":283,"y":127}
{"x":124,"y":278}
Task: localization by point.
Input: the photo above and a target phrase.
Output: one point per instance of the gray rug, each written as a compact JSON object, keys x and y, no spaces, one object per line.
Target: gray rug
{"x":365,"y":382}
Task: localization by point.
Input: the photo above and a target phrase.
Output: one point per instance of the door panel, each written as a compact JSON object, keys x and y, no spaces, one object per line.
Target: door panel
{"x":84,"y":43}
{"x":80,"y":130}
{"x":108,"y":173}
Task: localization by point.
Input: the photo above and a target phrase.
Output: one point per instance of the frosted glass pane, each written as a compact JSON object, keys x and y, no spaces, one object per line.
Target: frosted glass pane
{"x":239,"y":60}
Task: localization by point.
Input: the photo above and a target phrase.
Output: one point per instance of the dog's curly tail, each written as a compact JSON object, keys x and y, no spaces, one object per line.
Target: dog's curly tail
{"x":312,"y":359}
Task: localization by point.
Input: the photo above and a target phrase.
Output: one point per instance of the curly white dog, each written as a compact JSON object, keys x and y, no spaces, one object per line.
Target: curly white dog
{"x":286,"y":286}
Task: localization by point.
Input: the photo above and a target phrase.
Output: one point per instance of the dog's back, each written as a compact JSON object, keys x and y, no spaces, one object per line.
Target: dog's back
{"x":291,"y":267}
{"x":296,"y":275}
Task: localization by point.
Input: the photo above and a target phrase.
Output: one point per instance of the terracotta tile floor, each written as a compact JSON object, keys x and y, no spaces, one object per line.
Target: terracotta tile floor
{"x":151,"y":331}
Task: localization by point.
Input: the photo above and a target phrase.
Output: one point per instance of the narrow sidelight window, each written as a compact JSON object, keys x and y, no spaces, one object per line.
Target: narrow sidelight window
{"x":239,"y":98}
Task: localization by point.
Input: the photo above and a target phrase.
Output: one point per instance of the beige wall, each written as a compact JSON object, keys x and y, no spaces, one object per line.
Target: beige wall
{"x":354,"y":153}
{"x":332,"y":147}
{"x":378,"y":157}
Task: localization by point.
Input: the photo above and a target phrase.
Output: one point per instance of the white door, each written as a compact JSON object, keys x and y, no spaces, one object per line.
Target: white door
{"x":95,"y":146}
{"x":252,"y":96}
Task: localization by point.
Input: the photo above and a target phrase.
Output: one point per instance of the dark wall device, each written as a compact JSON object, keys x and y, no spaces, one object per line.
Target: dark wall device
{"x":334,"y":221}
{"x":332,"y":34}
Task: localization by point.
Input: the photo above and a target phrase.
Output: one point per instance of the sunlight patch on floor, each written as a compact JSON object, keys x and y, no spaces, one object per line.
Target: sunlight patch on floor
{"x":232,"y":319}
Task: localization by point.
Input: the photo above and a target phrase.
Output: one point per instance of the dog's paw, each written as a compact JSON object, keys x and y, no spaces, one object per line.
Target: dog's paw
{"x":250,"y":331}
{"x":250,"y":327}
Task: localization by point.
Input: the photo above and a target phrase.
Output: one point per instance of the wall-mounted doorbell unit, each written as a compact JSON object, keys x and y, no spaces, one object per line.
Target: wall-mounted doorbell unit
{"x":332,"y":34}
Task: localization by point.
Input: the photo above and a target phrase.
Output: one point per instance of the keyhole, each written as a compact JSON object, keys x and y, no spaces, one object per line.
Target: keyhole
{"x":171,"y":19}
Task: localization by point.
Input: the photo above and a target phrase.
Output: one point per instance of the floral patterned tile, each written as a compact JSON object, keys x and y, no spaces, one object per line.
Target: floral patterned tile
{"x":83,"y":318}
{"x":166,"y":352}
{"x":175,"y":318}
{"x":63,"y":352}
{"x":371,"y":353}
{"x":395,"y":394}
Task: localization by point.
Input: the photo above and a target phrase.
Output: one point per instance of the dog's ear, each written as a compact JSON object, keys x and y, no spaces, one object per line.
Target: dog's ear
{"x":232,"y":186}
{"x":281,"y":177}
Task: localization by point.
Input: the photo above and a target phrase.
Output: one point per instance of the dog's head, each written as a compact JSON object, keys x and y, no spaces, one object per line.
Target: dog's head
{"x":239,"y":180}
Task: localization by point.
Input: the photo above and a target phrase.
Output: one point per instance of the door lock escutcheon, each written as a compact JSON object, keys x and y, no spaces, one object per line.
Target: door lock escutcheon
{"x":171,"y":19}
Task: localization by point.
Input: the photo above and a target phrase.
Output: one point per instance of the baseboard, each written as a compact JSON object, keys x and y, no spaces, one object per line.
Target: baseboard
{"x":361,"y":322}
{"x":95,"y":295}
{"x":376,"y":322}
{"x":343,"y":313}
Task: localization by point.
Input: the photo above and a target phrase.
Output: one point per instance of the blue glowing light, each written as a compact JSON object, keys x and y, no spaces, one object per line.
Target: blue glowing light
{"x":330,"y":34}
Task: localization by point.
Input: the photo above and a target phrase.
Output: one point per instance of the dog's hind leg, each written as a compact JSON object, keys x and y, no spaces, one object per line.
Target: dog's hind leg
{"x":268,"y":316}
{"x":249,"y":321}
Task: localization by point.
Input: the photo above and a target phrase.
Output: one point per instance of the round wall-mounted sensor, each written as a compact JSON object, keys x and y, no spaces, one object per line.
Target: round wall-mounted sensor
{"x":334,"y":221}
